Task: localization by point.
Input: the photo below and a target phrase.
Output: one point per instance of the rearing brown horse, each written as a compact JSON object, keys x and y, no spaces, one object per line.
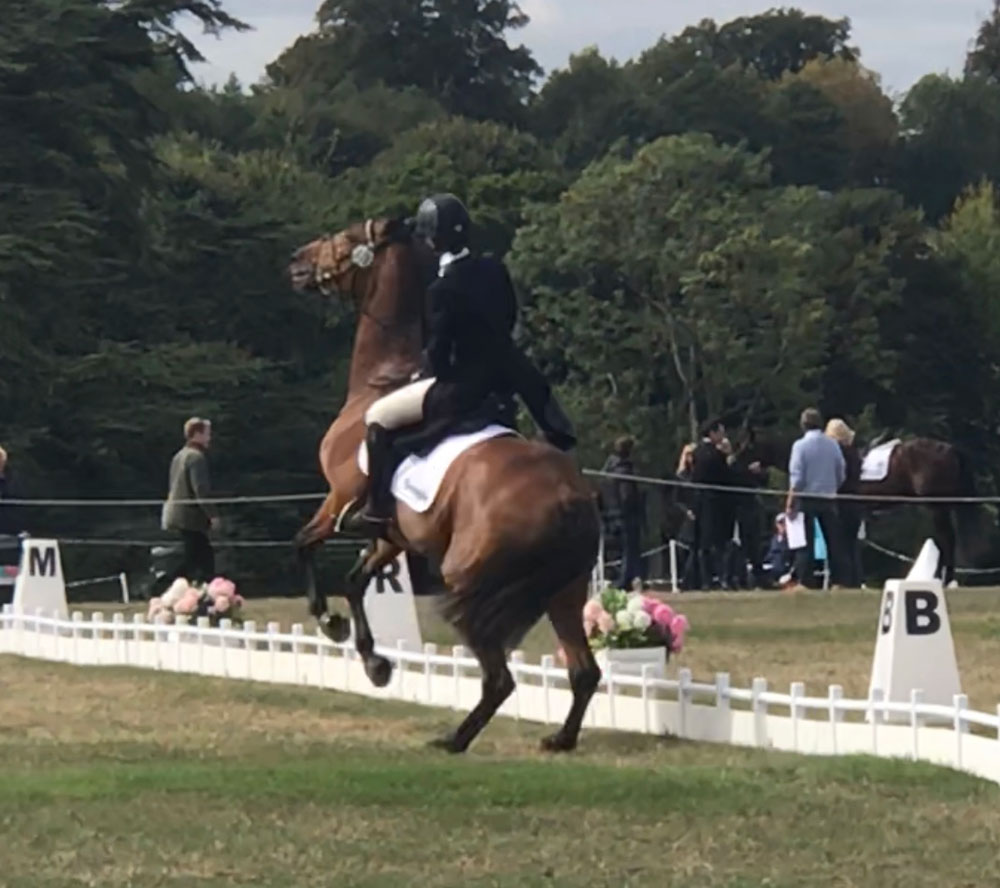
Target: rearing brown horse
{"x":514,"y":526}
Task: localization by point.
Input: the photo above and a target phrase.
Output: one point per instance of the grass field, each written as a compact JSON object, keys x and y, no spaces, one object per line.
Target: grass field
{"x":817,"y":638}
{"x":116,"y":777}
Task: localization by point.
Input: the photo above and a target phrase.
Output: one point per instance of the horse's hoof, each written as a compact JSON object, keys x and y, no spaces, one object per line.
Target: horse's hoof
{"x":379,"y":670}
{"x":558,"y":742}
{"x":335,"y":627}
{"x":447,"y":743}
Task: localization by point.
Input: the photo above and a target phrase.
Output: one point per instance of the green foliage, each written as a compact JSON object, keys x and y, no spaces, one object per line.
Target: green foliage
{"x":455,"y":52}
{"x":729,"y":223}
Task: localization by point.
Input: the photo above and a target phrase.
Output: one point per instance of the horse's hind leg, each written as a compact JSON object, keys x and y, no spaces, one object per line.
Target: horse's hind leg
{"x":944,"y":536}
{"x":566,"y":616}
{"x":498,"y":684}
{"x":377,"y":668}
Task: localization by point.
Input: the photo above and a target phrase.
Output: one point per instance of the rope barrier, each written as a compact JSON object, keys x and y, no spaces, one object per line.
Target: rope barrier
{"x":770,"y":491}
{"x":143,"y":503}
{"x":593,"y":473}
{"x":221,"y":544}
{"x":906,"y":559}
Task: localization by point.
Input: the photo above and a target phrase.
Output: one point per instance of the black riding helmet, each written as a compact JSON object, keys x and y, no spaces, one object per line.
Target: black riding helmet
{"x":443,"y":220}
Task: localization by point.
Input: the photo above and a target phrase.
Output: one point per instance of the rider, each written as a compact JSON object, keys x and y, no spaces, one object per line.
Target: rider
{"x":469,"y":354}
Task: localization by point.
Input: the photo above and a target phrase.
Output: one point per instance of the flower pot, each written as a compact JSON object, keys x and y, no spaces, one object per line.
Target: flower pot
{"x":629,"y":661}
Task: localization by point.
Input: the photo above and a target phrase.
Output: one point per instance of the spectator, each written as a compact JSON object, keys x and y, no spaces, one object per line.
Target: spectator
{"x":816,"y":472}
{"x":685,"y":499}
{"x":8,"y":513}
{"x":712,"y":530}
{"x":185,"y":510}
{"x":623,"y":511}
{"x":778,"y":558}
{"x":850,"y":512}
{"x":749,"y":520}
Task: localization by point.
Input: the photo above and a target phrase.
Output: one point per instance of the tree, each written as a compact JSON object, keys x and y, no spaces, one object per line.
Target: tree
{"x":771,"y":44}
{"x":983,"y":59}
{"x":952,"y":140}
{"x":870,"y":126}
{"x":496,"y":170}
{"x":670,"y":286}
{"x":455,"y":52}
{"x":585,"y":108}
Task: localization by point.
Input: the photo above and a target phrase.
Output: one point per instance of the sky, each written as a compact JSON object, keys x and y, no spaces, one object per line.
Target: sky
{"x":900,"y":39}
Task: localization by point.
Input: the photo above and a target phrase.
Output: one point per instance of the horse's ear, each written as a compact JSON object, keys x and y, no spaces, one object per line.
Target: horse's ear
{"x":399,"y":230}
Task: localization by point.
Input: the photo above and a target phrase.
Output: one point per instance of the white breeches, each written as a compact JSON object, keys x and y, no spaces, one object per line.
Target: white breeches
{"x":400,"y":408}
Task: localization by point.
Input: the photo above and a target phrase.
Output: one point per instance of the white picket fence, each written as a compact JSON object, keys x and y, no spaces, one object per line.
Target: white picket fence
{"x":707,"y":712}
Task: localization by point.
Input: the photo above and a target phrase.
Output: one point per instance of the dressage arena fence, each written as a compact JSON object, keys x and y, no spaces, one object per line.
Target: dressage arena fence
{"x":961,"y":738}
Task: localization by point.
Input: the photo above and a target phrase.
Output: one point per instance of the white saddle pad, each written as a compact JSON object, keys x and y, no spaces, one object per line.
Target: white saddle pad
{"x":418,"y":478}
{"x":875,"y":465}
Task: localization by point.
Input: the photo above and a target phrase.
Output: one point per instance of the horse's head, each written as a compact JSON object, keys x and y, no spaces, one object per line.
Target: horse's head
{"x":344,"y":263}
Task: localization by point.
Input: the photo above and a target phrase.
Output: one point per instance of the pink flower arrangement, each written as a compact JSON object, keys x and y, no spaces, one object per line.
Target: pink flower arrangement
{"x":618,"y":619}
{"x":185,"y":601}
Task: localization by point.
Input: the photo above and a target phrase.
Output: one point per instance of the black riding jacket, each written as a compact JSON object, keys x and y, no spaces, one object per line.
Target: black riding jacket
{"x":470,"y":348}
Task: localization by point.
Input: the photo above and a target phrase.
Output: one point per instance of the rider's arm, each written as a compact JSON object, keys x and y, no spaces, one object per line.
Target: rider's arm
{"x":440,"y":331}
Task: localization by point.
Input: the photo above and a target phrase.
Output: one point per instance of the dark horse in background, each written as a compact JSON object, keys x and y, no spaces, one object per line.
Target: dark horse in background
{"x":918,"y":468}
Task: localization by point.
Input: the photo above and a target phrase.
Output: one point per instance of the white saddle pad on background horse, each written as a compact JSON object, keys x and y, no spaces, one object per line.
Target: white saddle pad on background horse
{"x":875,"y":465}
{"x":418,"y":478}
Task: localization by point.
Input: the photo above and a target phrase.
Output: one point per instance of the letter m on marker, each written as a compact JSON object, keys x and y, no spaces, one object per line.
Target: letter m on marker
{"x":42,"y":563}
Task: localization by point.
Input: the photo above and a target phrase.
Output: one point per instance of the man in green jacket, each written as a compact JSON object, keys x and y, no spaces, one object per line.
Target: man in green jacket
{"x":185,"y":510}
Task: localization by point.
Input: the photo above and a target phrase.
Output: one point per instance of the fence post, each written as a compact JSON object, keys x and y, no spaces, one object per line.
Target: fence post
{"x":609,"y":677}
{"x":200,"y":625}
{"x":548,"y":661}
{"x":123,"y":579}
{"x":796,"y":692}
{"x":684,"y":698}
{"x":320,"y":659}
{"x":674,"y":584}
{"x":916,"y":698}
{"x":516,"y":661}
{"x":961,"y":702}
{"x":757,"y":688}
{"x":117,"y":627}
{"x":77,"y":626}
{"x":722,"y":701}
{"x":249,"y":630}
{"x":135,"y":651}
{"x":875,"y":698}
{"x":96,"y":625}
{"x":430,"y":649}
{"x":836,"y":694}
{"x":647,"y":671}
{"x":272,"y":648}
{"x":401,"y":649}
{"x":458,"y":652}
{"x":297,"y":631}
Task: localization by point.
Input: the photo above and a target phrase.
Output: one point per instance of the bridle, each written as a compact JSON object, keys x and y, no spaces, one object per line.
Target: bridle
{"x":336,"y":269}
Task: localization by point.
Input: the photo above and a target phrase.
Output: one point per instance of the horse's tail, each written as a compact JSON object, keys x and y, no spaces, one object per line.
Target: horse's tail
{"x":515,"y":591}
{"x":968,"y":516}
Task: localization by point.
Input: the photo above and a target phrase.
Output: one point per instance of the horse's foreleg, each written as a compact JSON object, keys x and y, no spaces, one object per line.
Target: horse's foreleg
{"x":377,"y":668}
{"x":566,"y":616}
{"x":307,"y":541}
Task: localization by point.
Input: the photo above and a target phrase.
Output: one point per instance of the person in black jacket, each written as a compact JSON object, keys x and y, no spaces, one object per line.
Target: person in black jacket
{"x":469,"y":356}
{"x":623,"y":511}
{"x":714,"y":524}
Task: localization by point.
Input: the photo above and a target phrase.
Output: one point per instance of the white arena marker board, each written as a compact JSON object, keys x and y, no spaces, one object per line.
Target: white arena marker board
{"x":391,"y":609}
{"x":914,"y":647}
{"x":40,"y":584}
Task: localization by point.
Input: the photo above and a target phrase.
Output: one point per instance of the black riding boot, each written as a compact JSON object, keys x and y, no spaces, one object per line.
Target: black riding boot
{"x":378,"y":510}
